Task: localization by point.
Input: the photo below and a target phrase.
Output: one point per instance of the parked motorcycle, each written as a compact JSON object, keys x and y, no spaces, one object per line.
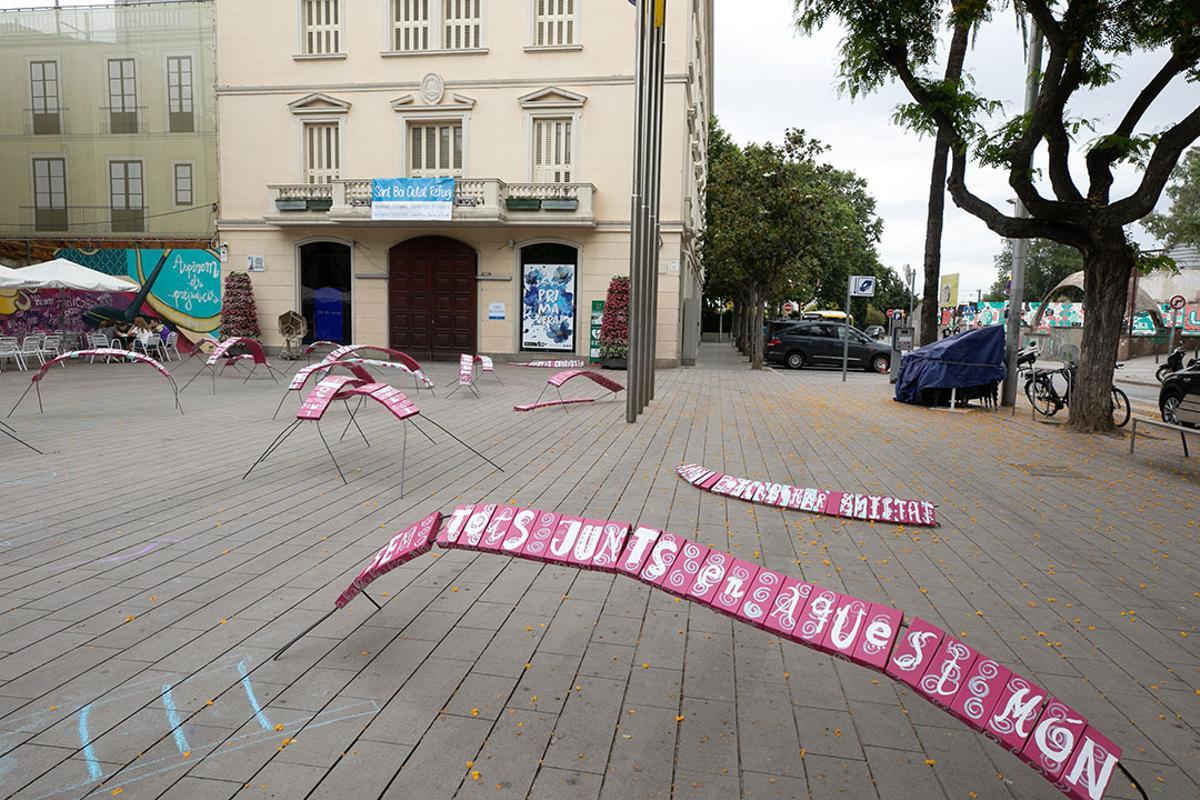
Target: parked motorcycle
{"x":1175,"y":364}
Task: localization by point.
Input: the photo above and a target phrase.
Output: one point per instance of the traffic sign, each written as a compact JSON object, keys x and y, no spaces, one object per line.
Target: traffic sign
{"x":788,"y":308}
{"x":1178,"y":302}
{"x":862,"y":285}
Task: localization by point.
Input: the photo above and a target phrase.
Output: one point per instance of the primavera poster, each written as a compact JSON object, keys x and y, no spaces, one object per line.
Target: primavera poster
{"x":548,"y":307}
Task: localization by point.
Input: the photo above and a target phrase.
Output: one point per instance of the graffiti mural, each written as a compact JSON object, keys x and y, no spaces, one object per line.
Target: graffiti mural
{"x":1066,"y":315}
{"x":186,"y":292}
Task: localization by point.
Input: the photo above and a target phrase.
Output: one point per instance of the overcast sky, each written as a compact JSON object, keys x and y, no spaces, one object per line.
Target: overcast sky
{"x":769,"y":78}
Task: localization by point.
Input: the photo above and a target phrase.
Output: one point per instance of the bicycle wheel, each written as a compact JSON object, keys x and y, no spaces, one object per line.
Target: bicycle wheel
{"x":1041,"y":395}
{"x":1120,"y":408}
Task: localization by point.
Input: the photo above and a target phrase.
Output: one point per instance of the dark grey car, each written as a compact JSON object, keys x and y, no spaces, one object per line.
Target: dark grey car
{"x":816,"y":343}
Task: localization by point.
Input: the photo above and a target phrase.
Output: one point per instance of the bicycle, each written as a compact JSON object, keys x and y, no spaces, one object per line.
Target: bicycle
{"x":1045,"y":399}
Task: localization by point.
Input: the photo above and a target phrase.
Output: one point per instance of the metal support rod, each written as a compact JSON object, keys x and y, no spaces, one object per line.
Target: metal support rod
{"x":280,"y":406}
{"x":37,"y":389}
{"x":403,"y":458}
{"x":302,"y":634}
{"x":330,"y":451}
{"x":460,"y":441}
{"x":197,"y":375}
{"x":353,"y":421}
{"x":19,"y":440}
{"x":377,"y":606}
{"x":278,"y":440}
{"x":19,"y":399}
{"x":1020,"y":247}
{"x":845,"y":333}
{"x":251,"y":374}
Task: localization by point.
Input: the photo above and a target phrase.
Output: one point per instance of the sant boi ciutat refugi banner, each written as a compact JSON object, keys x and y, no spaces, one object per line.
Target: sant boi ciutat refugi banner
{"x":412,"y":199}
{"x":548,"y":307}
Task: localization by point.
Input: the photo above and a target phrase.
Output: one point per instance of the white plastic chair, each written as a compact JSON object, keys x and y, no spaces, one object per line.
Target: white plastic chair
{"x":52,"y":348}
{"x":171,"y":346}
{"x":150,"y":344}
{"x":10,"y":349}
{"x":31,"y":345}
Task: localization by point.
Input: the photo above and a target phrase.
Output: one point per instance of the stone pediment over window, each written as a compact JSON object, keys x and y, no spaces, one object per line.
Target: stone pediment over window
{"x":317,"y":103}
{"x":552,"y":97}
{"x":452,"y":101}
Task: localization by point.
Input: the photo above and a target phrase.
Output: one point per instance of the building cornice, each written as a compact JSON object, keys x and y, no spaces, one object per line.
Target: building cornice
{"x":412,"y":86}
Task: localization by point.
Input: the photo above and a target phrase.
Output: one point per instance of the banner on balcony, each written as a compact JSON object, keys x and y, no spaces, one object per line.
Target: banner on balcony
{"x":412,"y":198}
{"x":548,"y":307}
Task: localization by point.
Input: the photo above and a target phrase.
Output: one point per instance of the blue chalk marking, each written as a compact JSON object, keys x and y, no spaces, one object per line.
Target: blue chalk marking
{"x":85,"y":741}
{"x":258,"y":712}
{"x":181,"y":742}
{"x":314,"y":721}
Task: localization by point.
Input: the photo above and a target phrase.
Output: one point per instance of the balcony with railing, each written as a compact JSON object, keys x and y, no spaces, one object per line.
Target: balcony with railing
{"x":46,"y":121}
{"x":476,"y":200}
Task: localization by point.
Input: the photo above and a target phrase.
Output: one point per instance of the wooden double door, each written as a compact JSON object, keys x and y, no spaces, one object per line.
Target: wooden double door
{"x":431,"y":298}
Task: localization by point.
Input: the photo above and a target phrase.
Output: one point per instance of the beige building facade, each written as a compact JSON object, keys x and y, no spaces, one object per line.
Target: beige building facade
{"x":526,"y":104}
{"x":109,"y":124}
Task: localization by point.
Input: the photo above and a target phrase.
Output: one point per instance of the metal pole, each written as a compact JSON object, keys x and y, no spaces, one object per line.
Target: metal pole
{"x":653,"y":184}
{"x":636,"y":291}
{"x":1171,"y":331}
{"x":656,"y":178}
{"x":1020,"y":247}
{"x":846,"y":332}
{"x":645,"y":262}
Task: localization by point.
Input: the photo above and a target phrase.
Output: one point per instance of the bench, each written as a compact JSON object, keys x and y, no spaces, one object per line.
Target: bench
{"x":1189,"y":411}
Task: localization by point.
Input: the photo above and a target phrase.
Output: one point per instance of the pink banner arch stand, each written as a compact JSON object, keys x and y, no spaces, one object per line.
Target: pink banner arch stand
{"x":399,"y":360}
{"x":345,"y":388}
{"x":1042,"y":730}
{"x":355,"y":367}
{"x":321,"y":344}
{"x":220,"y":354}
{"x":35,"y":382}
{"x":467,"y":374}
{"x":561,"y":378}
{"x":850,"y":505}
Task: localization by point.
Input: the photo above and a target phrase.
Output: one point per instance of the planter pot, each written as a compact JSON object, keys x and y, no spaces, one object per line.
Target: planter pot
{"x":320,"y":203}
{"x":291,"y":204}
{"x":560,"y":205}
{"x":522,"y":203}
{"x":612,"y":363}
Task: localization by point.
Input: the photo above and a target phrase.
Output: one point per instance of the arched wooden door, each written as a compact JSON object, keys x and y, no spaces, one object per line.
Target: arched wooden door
{"x":431,"y":298}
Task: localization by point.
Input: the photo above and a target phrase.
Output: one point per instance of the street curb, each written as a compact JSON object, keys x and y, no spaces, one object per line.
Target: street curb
{"x":1151,"y":384}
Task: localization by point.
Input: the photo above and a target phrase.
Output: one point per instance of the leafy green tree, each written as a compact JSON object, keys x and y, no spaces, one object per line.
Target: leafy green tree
{"x":1180,"y":225}
{"x":899,"y":40}
{"x":782,"y":225}
{"x":1046,"y":264}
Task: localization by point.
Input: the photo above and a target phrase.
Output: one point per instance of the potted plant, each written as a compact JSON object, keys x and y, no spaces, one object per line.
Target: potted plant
{"x":614,"y":328}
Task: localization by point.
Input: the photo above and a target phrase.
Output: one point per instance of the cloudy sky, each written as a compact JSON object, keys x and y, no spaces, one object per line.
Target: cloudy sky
{"x":769,"y":78}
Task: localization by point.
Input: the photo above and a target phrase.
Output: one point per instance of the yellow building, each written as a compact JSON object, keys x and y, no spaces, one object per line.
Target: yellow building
{"x":526,"y":104}
{"x":109,"y":125}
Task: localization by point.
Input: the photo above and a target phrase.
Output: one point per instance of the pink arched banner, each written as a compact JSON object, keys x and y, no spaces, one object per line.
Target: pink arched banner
{"x":993,"y":700}
{"x":849,"y":505}
{"x":102,"y":352}
{"x":399,"y":360}
{"x":354,"y":366}
{"x":220,"y":354}
{"x":558,"y":379}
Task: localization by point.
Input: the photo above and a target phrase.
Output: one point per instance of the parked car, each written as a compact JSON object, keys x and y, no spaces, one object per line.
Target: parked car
{"x":811,"y":343}
{"x":876,"y":332}
{"x":1178,"y":389}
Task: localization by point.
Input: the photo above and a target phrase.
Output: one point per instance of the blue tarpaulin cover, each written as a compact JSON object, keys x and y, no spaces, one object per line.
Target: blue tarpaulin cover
{"x":972,"y":358}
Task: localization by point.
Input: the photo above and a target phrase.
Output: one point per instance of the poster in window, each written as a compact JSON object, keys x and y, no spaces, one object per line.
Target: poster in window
{"x":548,"y":307}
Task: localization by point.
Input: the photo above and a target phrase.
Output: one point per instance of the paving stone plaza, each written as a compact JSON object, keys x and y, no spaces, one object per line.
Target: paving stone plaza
{"x":146,"y":586}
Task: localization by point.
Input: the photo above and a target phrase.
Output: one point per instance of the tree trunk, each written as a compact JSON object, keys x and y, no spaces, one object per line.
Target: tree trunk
{"x":1108,"y":265}
{"x":931,"y":299}
{"x":937,"y":196}
{"x":756,"y":331}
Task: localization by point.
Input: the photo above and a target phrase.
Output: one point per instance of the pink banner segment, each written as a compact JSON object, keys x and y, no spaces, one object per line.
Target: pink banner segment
{"x":101,"y":352}
{"x":325,"y":392}
{"x":387,"y":396}
{"x":570,"y":374}
{"x":849,"y":505}
{"x":568,"y":363}
{"x":320,"y":345}
{"x":253,"y":346}
{"x":466,"y":370}
{"x":549,"y":403}
{"x":400,"y":359}
{"x":415,"y":540}
{"x":302,"y":375}
{"x":1046,"y":733}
